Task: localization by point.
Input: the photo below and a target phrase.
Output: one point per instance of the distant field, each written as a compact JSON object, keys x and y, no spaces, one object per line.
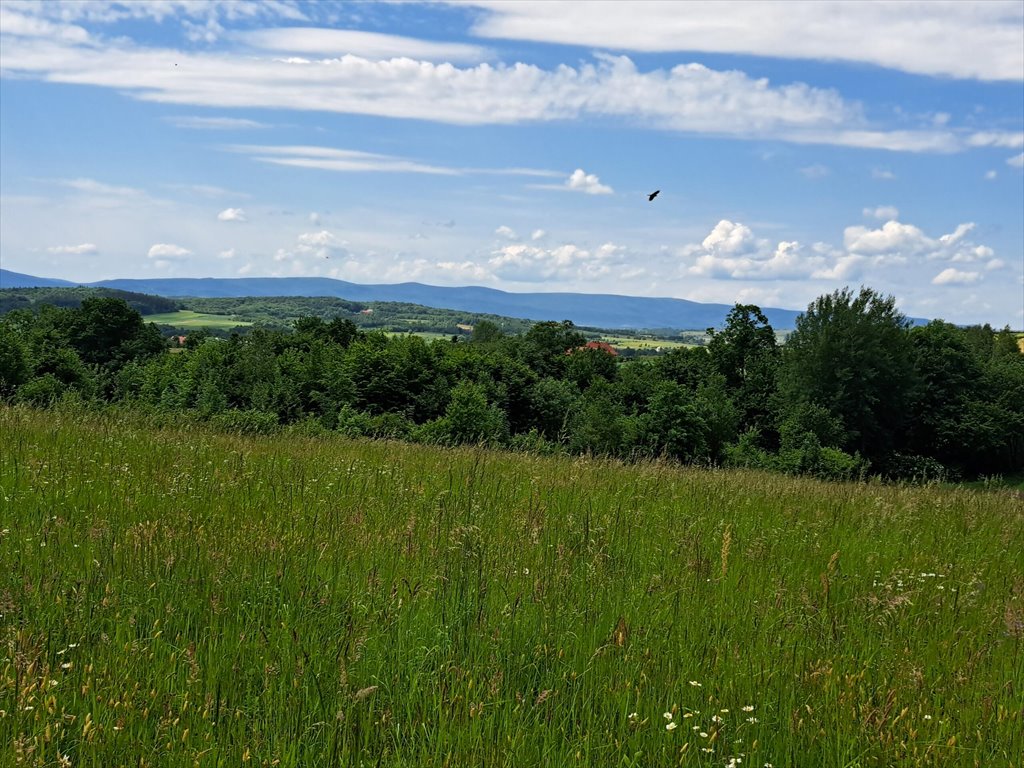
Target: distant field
{"x":181,"y":598}
{"x":626,"y":342}
{"x":186,"y":318}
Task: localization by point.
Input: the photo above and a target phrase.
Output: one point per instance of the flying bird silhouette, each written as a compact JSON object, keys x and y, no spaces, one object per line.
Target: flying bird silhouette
{"x":653,"y":195}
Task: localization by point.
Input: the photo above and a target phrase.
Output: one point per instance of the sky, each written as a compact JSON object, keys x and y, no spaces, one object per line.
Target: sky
{"x":799,"y":147}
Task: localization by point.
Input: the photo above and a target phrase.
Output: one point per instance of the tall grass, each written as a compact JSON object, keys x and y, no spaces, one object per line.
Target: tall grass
{"x":181,"y":598}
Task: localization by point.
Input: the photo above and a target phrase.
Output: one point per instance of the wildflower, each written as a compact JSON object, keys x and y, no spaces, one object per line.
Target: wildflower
{"x":707,"y":749}
{"x":688,"y":714}
{"x":724,"y":711}
{"x":67,"y":665}
{"x":667,"y":715}
{"x":671,"y":726}
{"x":716,"y":719}
{"x":749,"y":708}
{"x":927,"y":717}
{"x":751,"y":719}
{"x":703,"y":734}
{"x":633,"y":717}
{"x":695,"y":684}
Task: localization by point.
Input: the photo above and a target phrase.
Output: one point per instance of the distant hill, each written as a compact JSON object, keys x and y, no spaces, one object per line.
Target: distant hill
{"x":594,"y":310}
{"x":10,"y":279}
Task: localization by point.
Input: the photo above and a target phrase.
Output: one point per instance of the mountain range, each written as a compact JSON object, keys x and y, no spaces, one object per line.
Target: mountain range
{"x":593,"y":310}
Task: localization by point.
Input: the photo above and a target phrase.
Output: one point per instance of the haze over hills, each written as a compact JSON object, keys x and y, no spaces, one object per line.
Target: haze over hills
{"x":595,"y":310}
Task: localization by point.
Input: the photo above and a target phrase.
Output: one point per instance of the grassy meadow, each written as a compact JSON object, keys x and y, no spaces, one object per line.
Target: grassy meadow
{"x":186,"y":318}
{"x":177,"y":597}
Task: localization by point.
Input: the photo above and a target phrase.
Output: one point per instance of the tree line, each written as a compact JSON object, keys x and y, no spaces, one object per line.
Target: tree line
{"x":855,"y":390}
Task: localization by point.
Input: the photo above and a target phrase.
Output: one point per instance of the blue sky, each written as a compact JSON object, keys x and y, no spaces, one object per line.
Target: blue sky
{"x":799,"y":147}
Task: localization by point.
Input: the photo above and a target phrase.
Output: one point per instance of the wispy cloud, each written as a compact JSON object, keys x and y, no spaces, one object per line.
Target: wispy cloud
{"x":214,"y":123}
{"x":350,"y":42}
{"x":978,"y":40}
{"x":354,"y":161}
{"x":687,"y":98}
{"x":84,"y":249}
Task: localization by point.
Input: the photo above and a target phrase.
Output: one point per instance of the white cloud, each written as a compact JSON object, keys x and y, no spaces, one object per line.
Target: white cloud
{"x":527,"y":263}
{"x":506,"y":232}
{"x":227,"y":254}
{"x":886,"y":212}
{"x":232,"y":214}
{"x":816,"y":171}
{"x":319,"y":245}
{"x":537,"y":234}
{"x":729,"y":239}
{"x":965,"y":40}
{"x":1017,"y":161}
{"x":581,"y":181}
{"x":952,"y":276}
{"x":97,"y":188}
{"x":369,"y":45}
{"x":167,"y":251}
{"x":332,"y":159}
{"x":688,"y":97}
{"x":882,"y":174}
{"x":1008,"y":139}
{"x":990,"y":175}
{"x":214,"y":123}
{"x":995,"y":264}
{"x":245,"y":269}
{"x":84,"y":249}
{"x":731,"y":251}
{"x":314,"y":219}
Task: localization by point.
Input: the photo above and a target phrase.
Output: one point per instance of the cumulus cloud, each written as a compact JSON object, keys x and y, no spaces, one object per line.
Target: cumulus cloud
{"x":168,"y":251}
{"x":731,"y":251}
{"x":84,"y":249}
{"x":528,"y":263}
{"x":320,"y":245}
{"x":581,"y":181}
{"x":952,"y":276}
{"x":229,"y":253}
{"x":886,"y":212}
{"x":1017,"y":161}
{"x":232,"y":214}
{"x":506,"y":232}
{"x":537,"y":234}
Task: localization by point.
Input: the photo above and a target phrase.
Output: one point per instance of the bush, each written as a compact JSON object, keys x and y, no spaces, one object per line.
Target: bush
{"x":41,"y":391}
{"x":918,"y":469}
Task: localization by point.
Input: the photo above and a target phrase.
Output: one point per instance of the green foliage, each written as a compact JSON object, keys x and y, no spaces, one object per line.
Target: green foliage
{"x":469,"y":418}
{"x":851,"y":355}
{"x":855,"y":389}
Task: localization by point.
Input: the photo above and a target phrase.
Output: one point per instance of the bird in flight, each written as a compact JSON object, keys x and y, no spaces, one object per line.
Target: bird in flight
{"x":653,"y":195}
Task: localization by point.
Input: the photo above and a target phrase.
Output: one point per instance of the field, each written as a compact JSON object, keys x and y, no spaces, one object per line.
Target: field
{"x":173,"y":597}
{"x":186,"y":318}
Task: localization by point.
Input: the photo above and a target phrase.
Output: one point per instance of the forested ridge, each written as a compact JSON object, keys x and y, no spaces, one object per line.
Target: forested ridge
{"x":855,"y":389}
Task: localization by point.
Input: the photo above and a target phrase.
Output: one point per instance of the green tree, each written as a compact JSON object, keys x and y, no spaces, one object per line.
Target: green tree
{"x":851,"y":355}
{"x":746,"y":354}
